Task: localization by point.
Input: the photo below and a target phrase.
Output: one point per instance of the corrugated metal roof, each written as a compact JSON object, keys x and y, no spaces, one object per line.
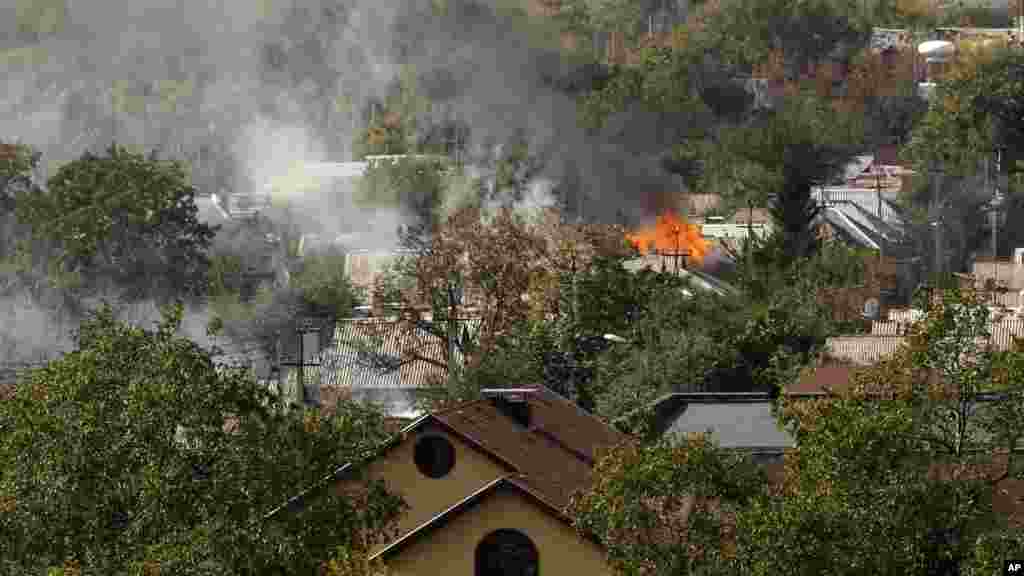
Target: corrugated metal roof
{"x":866,"y":199}
{"x":385,"y":360}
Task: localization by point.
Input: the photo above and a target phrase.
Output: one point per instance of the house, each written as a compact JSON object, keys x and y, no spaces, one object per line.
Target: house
{"x":386,"y":361}
{"x":746,"y":422}
{"x":667,"y":263}
{"x":486,"y":483}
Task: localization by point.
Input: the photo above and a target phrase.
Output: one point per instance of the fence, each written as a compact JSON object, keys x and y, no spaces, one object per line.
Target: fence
{"x":731,"y":230}
{"x":887,"y":337}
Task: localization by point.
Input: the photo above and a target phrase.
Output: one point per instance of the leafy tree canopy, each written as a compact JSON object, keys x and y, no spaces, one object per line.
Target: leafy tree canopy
{"x":134,"y":454}
{"x":897,"y":474}
{"x":124,"y":217}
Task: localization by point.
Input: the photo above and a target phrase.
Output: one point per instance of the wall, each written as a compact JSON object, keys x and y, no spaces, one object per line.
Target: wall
{"x":1004,"y":271}
{"x":428,"y":497}
{"x":450,"y":549}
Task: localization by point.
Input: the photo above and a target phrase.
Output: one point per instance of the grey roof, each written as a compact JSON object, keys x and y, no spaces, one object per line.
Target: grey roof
{"x":738,"y":423}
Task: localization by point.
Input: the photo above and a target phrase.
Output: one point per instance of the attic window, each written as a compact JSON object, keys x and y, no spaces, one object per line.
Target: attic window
{"x":434,"y":456}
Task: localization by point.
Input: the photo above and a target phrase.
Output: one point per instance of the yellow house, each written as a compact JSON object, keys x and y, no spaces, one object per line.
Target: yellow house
{"x":486,"y":483}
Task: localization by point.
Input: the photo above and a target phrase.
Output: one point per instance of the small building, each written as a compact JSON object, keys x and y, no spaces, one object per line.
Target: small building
{"x":486,"y":483}
{"x":387,"y":361}
{"x":745,"y":422}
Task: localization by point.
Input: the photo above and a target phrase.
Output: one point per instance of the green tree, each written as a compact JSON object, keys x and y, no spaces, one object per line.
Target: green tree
{"x":17,"y":163}
{"x":135,"y":454}
{"x":324,"y":287}
{"x":801,"y":144}
{"x":895,"y":475}
{"x":974,"y":113}
{"x":126,"y":218}
{"x":667,"y":508}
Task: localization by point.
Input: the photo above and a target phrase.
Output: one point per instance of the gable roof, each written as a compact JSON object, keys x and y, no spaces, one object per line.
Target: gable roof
{"x":555,"y":452}
{"x":554,"y":455}
{"x":514,"y":483}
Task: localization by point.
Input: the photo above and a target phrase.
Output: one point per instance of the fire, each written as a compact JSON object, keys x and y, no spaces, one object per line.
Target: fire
{"x":669,"y":232}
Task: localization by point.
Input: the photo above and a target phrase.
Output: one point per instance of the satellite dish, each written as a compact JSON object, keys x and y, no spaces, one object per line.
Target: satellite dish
{"x":871,"y":309}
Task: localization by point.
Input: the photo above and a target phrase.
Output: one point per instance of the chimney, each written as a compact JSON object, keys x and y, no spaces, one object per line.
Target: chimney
{"x":512,"y":402}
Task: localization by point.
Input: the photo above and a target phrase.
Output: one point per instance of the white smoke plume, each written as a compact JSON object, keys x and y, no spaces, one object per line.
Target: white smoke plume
{"x":246,"y":90}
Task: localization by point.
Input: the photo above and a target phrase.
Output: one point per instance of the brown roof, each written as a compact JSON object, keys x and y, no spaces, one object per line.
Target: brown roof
{"x":554,"y":453}
{"x":822,"y":379}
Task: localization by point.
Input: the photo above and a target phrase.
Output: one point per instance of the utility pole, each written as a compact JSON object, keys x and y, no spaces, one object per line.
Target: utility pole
{"x":306,"y":330}
{"x":878,"y":198}
{"x":676,"y":231}
{"x":937,"y":223}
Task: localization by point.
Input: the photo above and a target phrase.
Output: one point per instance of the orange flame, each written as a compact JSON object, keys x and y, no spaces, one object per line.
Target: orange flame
{"x":669,"y":233}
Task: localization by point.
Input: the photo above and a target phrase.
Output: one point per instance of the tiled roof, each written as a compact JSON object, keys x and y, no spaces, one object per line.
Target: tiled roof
{"x":863,"y":350}
{"x":555,"y":452}
{"x":552,"y":456}
{"x":831,"y":376}
{"x":384,"y":360}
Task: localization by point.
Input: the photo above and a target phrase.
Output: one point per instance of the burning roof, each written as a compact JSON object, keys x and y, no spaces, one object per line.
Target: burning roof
{"x":671,"y":234}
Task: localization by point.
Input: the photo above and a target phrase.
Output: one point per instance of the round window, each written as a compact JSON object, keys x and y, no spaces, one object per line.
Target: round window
{"x":434,"y":456}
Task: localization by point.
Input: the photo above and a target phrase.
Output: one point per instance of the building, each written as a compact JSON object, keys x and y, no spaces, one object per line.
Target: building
{"x":745,"y":422}
{"x":386,"y":361}
{"x":486,"y":483}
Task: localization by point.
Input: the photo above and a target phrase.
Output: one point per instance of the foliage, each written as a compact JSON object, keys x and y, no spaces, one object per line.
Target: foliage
{"x":891,"y":468}
{"x":895,"y":475}
{"x":664,"y":508}
{"x":324,"y":287}
{"x":123,"y":217}
{"x":745,"y":32}
{"x":976,"y":109}
{"x":415,"y":185}
{"x":799,"y":145}
{"x":17,"y":163}
{"x":134,"y":453}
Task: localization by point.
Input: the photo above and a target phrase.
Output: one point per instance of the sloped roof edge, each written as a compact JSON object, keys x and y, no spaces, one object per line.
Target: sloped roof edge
{"x":466,"y":504}
{"x":298,"y":501}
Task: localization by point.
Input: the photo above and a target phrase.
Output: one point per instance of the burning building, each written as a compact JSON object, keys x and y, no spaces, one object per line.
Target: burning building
{"x":672,"y":237}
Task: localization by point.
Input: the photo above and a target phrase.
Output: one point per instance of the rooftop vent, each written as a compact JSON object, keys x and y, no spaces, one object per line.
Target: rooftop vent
{"x":512,"y":402}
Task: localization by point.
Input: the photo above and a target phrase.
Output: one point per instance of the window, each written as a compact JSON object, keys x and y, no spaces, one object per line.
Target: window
{"x":506,"y":553}
{"x":434,"y":456}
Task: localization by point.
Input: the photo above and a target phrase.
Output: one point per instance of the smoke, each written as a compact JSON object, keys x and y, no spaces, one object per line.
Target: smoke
{"x":246,"y":91}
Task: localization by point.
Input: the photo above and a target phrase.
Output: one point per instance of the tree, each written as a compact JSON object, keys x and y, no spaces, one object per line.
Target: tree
{"x":974,"y":114}
{"x":664,"y":508}
{"x":893,"y":475}
{"x":17,"y":163}
{"x":134,"y":454}
{"x":125,"y":218}
{"x":801,"y":144}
